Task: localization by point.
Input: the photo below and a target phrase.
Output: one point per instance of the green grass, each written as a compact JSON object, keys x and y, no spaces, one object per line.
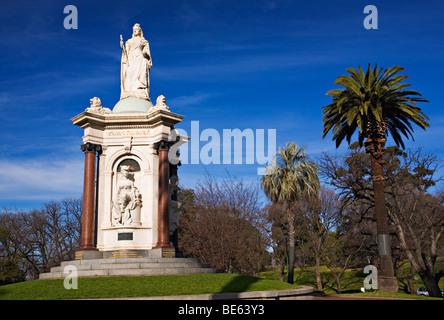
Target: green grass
{"x":397,"y":295}
{"x":115,"y":287}
{"x":352,"y":279}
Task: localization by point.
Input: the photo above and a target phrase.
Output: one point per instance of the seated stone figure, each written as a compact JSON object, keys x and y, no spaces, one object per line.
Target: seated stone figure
{"x":127,"y":198}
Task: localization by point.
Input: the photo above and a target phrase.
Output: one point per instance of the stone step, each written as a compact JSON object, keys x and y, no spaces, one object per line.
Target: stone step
{"x":150,"y":272}
{"x":129,"y":260}
{"x":128,"y":272}
{"x":131,"y":265}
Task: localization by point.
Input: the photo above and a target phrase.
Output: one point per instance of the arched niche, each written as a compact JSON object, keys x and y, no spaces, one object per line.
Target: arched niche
{"x":127,"y":200}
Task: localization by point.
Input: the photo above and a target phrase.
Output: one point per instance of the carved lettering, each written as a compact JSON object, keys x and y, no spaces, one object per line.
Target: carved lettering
{"x":128,"y":133}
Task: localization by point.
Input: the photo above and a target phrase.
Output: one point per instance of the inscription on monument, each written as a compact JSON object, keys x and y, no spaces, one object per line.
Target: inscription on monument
{"x":128,"y":133}
{"x":168,"y":253}
{"x":124,"y":236}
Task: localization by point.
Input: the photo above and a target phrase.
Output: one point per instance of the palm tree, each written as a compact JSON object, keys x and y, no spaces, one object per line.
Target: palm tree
{"x":375,"y":103}
{"x":288,"y":178}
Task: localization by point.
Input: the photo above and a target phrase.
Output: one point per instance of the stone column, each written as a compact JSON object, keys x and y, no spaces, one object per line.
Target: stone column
{"x":87,"y":239}
{"x":163,"y":213}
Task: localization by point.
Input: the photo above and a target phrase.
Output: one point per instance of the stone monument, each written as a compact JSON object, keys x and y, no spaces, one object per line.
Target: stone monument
{"x":130,"y":207}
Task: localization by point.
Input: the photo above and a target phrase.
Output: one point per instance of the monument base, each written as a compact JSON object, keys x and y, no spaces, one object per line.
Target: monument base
{"x":88,"y":254}
{"x":168,"y":252}
{"x":131,"y":253}
{"x":112,"y":267}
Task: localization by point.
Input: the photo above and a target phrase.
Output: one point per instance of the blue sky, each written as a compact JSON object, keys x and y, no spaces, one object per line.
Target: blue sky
{"x":227,"y":64}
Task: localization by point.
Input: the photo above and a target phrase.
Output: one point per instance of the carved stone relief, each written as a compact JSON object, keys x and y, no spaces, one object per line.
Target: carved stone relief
{"x":127,"y":200}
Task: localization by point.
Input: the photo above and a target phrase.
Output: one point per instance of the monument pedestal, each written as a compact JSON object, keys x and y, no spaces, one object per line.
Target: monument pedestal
{"x":166,"y":252}
{"x":131,"y":186}
{"x":88,"y":254}
{"x":169,"y":252}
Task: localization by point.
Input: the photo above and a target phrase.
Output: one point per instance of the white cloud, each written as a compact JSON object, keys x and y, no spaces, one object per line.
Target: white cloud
{"x":43,"y":179}
{"x":185,"y":101}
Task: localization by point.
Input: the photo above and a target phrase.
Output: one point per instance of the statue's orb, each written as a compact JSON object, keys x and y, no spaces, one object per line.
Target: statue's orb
{"x":132,"y":104}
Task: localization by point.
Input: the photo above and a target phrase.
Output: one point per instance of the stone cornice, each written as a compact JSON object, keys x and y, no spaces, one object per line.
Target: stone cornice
{"x":126,"y":120}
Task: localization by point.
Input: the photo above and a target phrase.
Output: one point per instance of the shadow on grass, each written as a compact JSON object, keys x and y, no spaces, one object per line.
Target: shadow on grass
{"x":240,"y":283}
{"x":3,"y":291}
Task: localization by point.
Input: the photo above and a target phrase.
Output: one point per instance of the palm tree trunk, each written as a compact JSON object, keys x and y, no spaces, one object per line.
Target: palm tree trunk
{"x":290,"y":271}
{"x":386,"y":280}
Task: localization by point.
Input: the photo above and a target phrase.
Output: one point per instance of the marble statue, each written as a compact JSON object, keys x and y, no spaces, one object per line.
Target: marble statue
{"x":96,"y":106}
{"x":127,"y":201}
{"x":135,"y":66}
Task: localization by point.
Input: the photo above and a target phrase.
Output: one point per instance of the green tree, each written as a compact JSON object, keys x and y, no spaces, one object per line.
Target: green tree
{"x":220,"y":225}
{"x":10,"y":271}
{"x":375,"y":104}
{"x":416,"y":213}
{"x":289,"y":177}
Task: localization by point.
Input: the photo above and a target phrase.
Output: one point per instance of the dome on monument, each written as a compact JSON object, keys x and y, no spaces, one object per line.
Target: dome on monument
{"x":132,"y":104}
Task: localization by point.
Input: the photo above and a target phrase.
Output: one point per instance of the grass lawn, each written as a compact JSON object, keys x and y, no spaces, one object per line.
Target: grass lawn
{"x":397,"y":295}
{"x":114,"y":287}
{"x":352,"y":279}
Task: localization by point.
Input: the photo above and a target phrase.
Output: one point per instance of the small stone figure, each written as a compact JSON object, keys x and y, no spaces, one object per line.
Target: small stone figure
{"x":160,"y":104}
{"x":96,"y":106}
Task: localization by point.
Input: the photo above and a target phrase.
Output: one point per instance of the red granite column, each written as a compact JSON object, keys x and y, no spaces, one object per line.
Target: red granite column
{"x":87,"y":238}
{"x":163,"y":214}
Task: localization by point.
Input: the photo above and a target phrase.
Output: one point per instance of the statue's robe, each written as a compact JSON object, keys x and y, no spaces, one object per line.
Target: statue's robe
{"x":135,"y":66}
